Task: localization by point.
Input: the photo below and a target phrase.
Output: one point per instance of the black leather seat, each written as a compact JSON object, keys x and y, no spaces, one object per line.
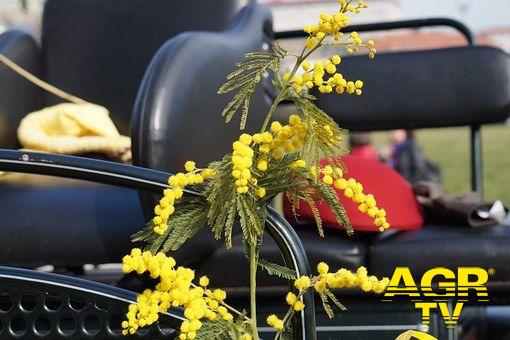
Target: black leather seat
{"x":49,"y":220}
{"x":97,"y":50}
{"x":458,"y":86}
{"x":337,"y":249}
{"x":445,"y":246}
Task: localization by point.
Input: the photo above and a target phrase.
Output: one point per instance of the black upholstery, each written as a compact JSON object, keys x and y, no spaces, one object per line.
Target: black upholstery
{"x":445,"y":246}
{"x":436,"y":88}
{"x":336,"y":248}
{"x":99,"y":49}
{"x":17,"y":96}
{"x":48,"y":220}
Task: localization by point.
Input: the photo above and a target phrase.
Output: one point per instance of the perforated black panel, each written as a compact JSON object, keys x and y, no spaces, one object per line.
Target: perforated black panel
{"x":42,"y":305}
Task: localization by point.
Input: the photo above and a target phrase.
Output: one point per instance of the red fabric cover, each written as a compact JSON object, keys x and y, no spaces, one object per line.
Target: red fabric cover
{"x":390,"y":190}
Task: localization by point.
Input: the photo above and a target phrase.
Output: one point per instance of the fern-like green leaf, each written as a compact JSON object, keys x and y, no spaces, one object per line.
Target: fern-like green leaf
{"x":221,"y":196}
{"x":229,"y":224}
{"x":190,"y":216}
{"x":245,"y":78}
{"x":186,"y":222}
{"x":277,"y":270}
{"x":144,"y":234}
{"x":244,"y":221}
{"x":320,"y":142}
{"x":218,"y":330}
{"x":333,"y":298}
{"x":316,"y":214}
{"x":152,"y":240}
{"x":326,"y":306}
{"x":330,"y":197}
{"x":252,"y":224}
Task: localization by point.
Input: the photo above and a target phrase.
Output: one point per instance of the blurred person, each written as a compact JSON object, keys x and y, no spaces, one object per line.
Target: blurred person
{"x":407,"y":158}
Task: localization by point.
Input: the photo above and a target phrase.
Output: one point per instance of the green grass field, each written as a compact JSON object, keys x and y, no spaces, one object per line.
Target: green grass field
{"x":450,"y":149}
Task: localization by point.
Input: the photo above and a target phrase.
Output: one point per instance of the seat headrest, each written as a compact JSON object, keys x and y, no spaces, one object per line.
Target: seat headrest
{"x":99,"y":49}
{"x":419,"y":89}
{"x":178,"y":110}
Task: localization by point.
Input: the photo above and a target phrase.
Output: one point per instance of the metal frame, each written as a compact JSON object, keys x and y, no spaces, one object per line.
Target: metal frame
{"x":155,"y":181}
{"x":475,"y":133}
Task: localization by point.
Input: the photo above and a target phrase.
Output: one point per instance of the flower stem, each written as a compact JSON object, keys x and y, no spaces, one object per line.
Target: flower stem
{"x":281,"y":95}
{"x":290,"y":312}
{"x":253,"y":288}
{"x":273,"y":108}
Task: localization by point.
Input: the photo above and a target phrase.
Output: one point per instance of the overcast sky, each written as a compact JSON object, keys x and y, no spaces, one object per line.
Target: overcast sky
{"x":478,"y":14}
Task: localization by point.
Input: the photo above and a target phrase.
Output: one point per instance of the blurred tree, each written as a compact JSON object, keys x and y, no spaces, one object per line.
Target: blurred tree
{"x":24,"y":4}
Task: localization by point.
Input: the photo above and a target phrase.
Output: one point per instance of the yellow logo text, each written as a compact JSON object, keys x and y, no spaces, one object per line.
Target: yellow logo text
{"x":440,"y":290}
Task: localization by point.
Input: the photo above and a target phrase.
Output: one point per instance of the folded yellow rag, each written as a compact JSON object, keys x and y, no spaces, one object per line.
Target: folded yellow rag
{"x":72,"y":128}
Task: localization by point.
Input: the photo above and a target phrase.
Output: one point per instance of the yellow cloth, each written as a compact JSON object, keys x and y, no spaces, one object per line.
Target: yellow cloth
{"x":72,"y":129}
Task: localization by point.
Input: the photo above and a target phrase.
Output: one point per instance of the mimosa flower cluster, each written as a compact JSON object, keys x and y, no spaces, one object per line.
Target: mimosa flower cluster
{"x":277,"y":142}
{"x":177,"y":182}
{"x":288,"y":138}
{"x":323,"y":74}
{"x":353,"y":190}
{"x":175,"y":288}
{"x":242,"y":160}
{"x":315,"y":77}
{"x":331,"y":26}
{"x":344,"y":278}
{"x":326,"y":281}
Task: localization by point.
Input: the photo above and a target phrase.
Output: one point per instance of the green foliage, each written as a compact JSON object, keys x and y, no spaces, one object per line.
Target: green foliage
{"x":280,"y":177}
{"x":218,"y":330}
{"x":222,"y":330}
{"x":329,"y":196}
{"x":326,"y":296}
{"x":245,"y":78}
{"x":311,"y":191}
{"x":221,"y":196}
{"x":318,"y":143}
{"x":189,"y":217}
{"x":251,"y":217}
{"x":185,"y":223}
{"x":145,"y":235}
{"x":277,"y":270}
{"x":315,"y":211}
{"x":226,"y":205}
{"x":333,"y":298}
{"x":326,"y":306}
